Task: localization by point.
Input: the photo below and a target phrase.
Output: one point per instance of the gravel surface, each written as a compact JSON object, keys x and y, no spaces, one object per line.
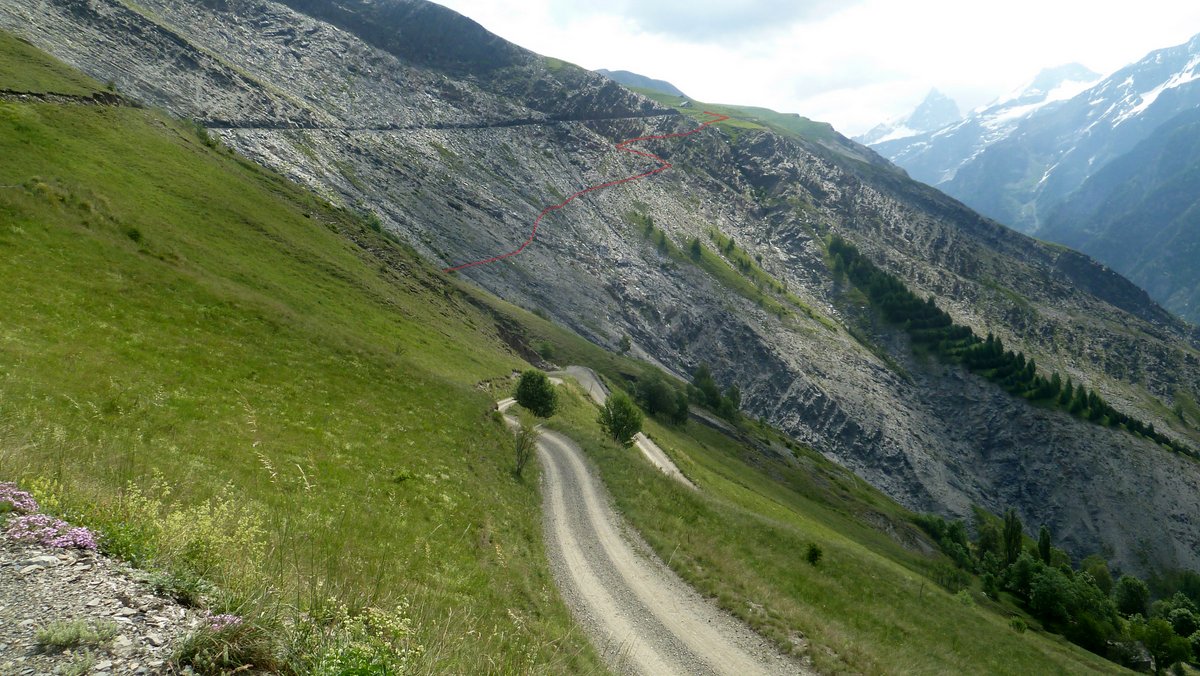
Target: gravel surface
{"x":40,"y":585}
{"x":642,"y":617}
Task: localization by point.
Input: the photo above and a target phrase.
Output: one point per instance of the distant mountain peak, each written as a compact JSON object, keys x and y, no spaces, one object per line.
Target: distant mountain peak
{"x":630,"y":79}
{"x":935,"y":111}
{"x":1056,"y":83}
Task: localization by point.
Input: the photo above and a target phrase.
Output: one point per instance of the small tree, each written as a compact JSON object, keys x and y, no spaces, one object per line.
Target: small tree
{"x":1163,"y":644}
{"x":1044,"y":544}
{"x":1012,"y":536}
{"x":620,"y":418}
{"x":695,"y":249}
{"x":1131,"y":595}
{"x":536,"y":393}
{"x":813,"y":553}
{"x":624,"y":345}
{"x":524,"y":443}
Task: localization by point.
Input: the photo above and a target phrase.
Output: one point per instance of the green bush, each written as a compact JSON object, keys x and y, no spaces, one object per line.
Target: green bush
{"x":536,"y":393}
{"x":813,"y":553}
{"x":524,"y":444}
{"x":620,"y":418}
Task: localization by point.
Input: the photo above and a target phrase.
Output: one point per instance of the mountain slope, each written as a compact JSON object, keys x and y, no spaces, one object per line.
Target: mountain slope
{"x":174,"y":310}
{"x":177,"y":316}
{"x":1139,"y":215}
{"x":462,"y":164}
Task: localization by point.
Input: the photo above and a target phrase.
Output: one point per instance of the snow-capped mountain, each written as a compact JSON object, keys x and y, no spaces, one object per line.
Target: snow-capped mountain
{"x":936,"y":155}
{"x":1017,"y":158}
{"x":935,"y":112}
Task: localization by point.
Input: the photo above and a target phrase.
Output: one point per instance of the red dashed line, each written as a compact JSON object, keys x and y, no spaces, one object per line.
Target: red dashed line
{"x":623,"y":145}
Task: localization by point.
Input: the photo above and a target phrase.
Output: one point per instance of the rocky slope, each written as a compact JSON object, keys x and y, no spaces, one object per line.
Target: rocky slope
{"x":40,"y":585}
{"x":457,"y":140}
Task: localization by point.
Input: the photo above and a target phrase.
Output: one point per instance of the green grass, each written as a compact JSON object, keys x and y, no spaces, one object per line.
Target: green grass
{"x":24,"y":68}
{"x":867,"y":607}
{"x":747,"y":117}
{"x":171,"y":308}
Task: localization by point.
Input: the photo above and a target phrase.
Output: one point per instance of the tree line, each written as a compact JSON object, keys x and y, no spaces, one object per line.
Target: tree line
{"x":932,"y":328}
{"x":1115,"y":619}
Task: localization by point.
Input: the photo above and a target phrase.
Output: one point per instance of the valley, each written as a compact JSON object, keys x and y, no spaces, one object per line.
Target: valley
{"x":242,"y":266}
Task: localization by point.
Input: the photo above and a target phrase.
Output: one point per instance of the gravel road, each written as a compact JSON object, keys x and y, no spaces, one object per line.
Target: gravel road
{"x":642,"y":618}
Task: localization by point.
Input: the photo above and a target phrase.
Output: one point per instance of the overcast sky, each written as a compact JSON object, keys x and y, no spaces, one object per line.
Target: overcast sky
{"x":853,"y":63}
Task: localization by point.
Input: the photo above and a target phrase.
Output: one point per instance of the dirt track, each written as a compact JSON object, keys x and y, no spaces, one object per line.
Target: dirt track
{"x":642,"y":618}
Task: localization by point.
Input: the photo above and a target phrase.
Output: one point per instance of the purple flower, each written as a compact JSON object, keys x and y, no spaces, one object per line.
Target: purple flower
{"x":49,"y":531}
{"x":13,"y":499}
{"x":223,"y":621}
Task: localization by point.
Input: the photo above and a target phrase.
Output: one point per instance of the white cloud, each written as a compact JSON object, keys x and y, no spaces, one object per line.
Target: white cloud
{"x":852,"y":64}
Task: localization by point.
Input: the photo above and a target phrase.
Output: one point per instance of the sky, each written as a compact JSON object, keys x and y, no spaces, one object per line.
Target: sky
{"x":853,"y":63}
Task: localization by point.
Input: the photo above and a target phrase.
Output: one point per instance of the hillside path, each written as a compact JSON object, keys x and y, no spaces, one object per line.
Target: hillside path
{"x":642,"y":618}
{"x":590,"y":382}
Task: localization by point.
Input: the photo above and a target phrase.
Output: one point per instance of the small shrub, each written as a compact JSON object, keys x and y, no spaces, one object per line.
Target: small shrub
{"x":536,"y":393}
{"x":134,"y":234}
{"x":227,"y":643}
{"x":80,"y":665}
{"x":525,"y":443}
{"x":68,"y":634}
{"x":813,"y":553}
{"x":372,"y":642}
{"x":1018,"y":625}
{"x":620,"y":418}
{"x":187,"y":590}
{"x":964,"y":597}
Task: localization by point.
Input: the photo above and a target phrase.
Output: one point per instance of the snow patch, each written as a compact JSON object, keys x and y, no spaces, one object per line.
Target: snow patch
{"x":1147,"y":99}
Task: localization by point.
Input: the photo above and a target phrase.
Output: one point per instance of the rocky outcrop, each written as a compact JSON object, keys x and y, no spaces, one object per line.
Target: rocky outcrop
{"x":460,"y":157}
{"x":40,"y":585}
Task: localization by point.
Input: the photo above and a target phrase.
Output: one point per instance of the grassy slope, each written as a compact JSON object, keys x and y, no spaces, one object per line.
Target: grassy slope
{"x":749,"y":117}
{"x":25,"y":68}
{"x":170,"y":307}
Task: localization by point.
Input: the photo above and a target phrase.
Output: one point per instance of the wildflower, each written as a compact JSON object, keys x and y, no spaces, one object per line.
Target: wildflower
{"x":13,"y":499}
{"x":48,"y":531}
{"x":223,"y":621}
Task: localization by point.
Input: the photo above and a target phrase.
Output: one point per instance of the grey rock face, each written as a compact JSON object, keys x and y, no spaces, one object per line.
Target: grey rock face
{"x":460,"y":158}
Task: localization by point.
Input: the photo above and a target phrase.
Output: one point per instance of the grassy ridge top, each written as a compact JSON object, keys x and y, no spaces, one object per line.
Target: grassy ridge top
{"x":25,"y":68}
